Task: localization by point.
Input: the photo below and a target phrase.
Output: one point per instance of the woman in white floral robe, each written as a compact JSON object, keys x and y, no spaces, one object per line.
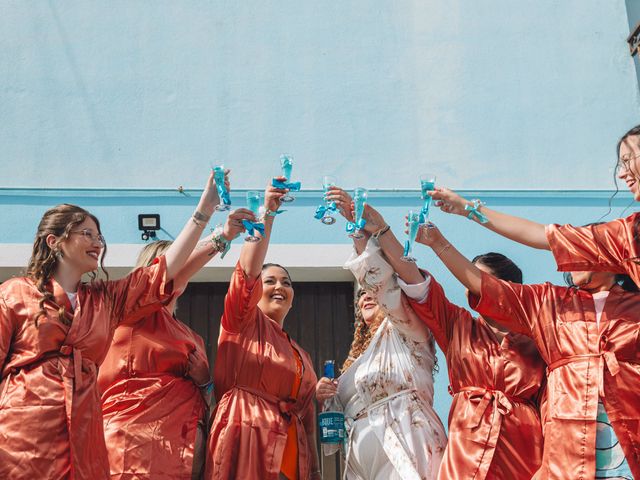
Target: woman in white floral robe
{"x":387,"y":392}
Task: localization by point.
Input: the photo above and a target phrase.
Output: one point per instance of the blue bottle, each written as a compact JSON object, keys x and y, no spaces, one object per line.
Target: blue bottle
{"x":331,"y":419}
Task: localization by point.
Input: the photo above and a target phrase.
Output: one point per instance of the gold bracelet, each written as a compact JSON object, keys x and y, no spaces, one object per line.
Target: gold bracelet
{"x":443,"y":249}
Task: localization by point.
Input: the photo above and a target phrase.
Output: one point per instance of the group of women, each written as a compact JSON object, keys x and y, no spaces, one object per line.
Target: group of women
{"x":100,"y":380}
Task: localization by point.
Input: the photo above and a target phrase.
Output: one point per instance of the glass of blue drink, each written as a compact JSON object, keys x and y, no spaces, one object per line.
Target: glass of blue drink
{"x":427,"y":183}
{"x":253,"y":204}
{"x":286,"y":166}
{"x":413,"y":219}
{"x":223,"y":193}
{"x":329,"y":181}
{"x":359,"y":200}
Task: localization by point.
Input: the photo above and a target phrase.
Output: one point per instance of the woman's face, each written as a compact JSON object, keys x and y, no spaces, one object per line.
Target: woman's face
{"x":277,"y":293}
{"x":628,"y":168}
{"x":593,"y":280}
{"x":81,"y":251}
{"x":368,"y":306}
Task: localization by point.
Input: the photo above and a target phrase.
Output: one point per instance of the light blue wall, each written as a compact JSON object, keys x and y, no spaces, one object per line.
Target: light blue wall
{"x":489,"y":95}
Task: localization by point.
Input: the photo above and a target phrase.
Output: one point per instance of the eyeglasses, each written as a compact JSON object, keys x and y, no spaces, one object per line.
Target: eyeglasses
{"x":624,"y":163}
{"x":90,"y":236}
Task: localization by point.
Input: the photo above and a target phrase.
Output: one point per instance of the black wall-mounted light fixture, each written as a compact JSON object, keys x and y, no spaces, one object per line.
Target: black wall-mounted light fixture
{"x":148,"y":223}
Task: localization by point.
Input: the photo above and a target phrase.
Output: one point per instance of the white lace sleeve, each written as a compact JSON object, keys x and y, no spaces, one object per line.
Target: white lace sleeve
{"x":378,"y":278}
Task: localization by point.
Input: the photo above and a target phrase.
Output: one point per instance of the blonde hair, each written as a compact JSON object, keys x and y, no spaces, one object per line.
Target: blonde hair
{"x":363,"y":333}
{"x":151,"y":251}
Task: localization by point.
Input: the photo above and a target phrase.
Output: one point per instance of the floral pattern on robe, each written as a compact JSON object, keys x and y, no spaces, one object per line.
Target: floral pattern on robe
{"x":394,"y":379}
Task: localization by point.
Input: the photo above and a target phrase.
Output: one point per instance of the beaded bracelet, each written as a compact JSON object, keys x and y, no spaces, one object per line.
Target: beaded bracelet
{"x":218,"y":242}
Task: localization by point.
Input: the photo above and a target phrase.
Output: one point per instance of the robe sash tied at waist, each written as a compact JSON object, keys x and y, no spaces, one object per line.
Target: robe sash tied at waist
{"x":502,"y":403}
{"x":351,"y":416}
{"x":610,"y":360}
{"x":286,"y":406}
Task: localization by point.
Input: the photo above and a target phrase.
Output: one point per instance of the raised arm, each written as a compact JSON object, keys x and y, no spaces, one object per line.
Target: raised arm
{"x":210,"y":246}
{"x":344,"y":202}
{"x":253,"y":253}
{"x":514,"y":228}
{"x":461,"y":268}
{"x":181,"y":248}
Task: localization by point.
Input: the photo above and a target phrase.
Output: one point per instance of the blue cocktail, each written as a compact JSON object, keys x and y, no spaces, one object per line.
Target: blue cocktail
{"x":253,"y":204}
{"x":427,"y":183}
{"x":286,"y":166}
{"x":413,"y":219}
{"x":359,"y":200}
{"x":328,"y":181}
{"x":223,"y":193}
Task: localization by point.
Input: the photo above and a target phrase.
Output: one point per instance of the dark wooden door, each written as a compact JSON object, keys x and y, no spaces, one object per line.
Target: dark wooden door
{"x":321,"y":321}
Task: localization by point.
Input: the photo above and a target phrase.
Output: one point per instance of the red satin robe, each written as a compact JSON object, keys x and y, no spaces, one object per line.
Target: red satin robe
{"x":494,"y":423}
{"x":254,"y":372}
{"x":151,"y":409}
{"x":50,"y":417}
{"x":584,"y":363}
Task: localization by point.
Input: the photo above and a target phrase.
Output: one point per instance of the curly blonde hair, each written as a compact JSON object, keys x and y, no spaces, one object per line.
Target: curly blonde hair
{"x":58,"y":221}
{"x":363,"y":333}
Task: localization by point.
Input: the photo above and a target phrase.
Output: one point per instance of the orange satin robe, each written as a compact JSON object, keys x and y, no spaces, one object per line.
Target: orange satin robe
{"x":494,"y":423}
{"x":151,"y":410}
{"x":50,"y":417}
{"x":608,"y":247}
{"x":584,"y":363}
{"x":254,"y":372}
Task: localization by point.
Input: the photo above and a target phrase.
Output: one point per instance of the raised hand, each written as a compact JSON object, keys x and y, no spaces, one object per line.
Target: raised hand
{"x":343,"y":201}
{"x":449,"y":201}
{"x":210,"y":198}
{"x":273,"y":196}
{"x":233,"y":225}
{"x":374,"y":220}
{"x":429,"y":235}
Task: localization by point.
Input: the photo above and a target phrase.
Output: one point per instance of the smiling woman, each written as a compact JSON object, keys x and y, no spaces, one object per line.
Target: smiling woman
{"x":264,"y":425}
{"x":55,"y":332}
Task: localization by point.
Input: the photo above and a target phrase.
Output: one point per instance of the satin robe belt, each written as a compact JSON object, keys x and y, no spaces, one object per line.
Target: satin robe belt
{"x":284,"y":405}
{"x":502,"y":403}
{"x":349,"y":416}
{"x":64,"y":355}
{"x":610,"y":360}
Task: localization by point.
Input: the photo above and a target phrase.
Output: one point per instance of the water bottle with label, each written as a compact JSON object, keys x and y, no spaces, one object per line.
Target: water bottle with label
{"x":331,"y":419}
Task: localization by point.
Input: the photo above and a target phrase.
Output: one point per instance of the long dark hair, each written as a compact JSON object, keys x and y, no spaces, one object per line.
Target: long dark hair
{"x":500,"y":265}
{"x":634,"y":132}
{"x":58,"y":221}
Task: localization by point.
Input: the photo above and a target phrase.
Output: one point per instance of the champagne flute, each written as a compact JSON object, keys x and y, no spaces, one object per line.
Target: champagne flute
{"x":427,"y":183}
{"x":286,"y":166}
{"x":359,"y":200}
{"x":253,"y":204}
{"x":413,"y":219}
{"x":329,"y":181}
{"x":223,"y":193}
